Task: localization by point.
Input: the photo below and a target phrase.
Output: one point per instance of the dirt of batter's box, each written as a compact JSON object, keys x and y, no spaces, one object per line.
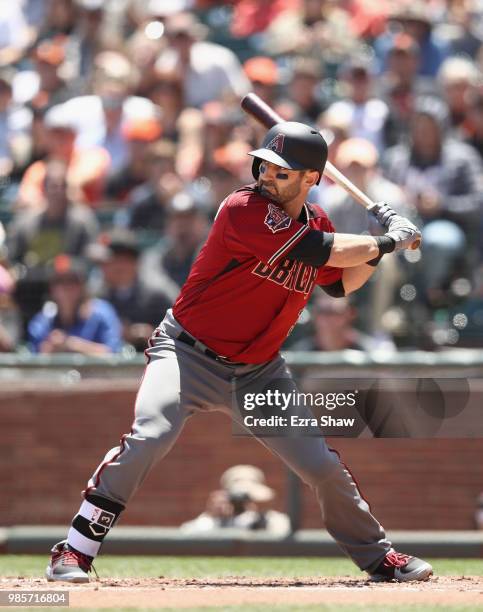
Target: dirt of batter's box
{"x":232,"y":590}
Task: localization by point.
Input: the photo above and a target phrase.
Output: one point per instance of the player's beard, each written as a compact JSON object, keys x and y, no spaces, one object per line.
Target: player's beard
{"x":281,"y":196}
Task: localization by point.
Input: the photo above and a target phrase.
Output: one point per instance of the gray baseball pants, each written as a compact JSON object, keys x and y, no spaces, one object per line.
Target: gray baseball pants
{"x":180,"y":381}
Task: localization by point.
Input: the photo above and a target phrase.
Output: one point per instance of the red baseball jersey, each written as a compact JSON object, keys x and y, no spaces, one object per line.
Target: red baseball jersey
{"x":243,"y":295}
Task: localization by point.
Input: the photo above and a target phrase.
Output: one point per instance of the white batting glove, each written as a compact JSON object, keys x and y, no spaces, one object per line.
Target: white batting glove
{"x":400,"y":229}
{"x":396,"y":222}
{"x":403,"y":232}
{"x":383,"y":213}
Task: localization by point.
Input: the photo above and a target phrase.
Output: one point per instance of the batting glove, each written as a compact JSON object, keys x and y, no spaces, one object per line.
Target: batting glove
{"x":404,"y":236}
{"x":396,"y":222}
{"x":383,"y":213}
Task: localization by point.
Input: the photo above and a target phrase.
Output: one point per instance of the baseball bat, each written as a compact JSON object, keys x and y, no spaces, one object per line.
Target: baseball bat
{"x":263,"y":113}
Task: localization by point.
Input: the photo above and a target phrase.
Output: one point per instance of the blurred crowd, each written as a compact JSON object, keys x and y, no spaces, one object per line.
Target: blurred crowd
{"x":121,"y":133}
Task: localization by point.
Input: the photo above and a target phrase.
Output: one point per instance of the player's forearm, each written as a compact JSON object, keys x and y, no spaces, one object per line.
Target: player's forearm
{"x":339,"y":250}
{"x":354,"y":277}
{"x":350,"y":250}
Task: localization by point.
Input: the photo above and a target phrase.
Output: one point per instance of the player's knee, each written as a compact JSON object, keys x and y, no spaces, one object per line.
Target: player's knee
{"x":145,"y":449}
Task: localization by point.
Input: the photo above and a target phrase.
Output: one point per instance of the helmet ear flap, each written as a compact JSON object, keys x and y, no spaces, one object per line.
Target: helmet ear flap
{"x":256,"y":167}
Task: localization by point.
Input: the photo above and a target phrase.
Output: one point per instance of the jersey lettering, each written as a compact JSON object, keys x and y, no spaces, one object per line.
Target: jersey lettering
{"x":289,"y":283}
{"x":281,"y":271}
{"x":302,"y":278}
{"x":262,"y":270}
{"x":291,"y":274}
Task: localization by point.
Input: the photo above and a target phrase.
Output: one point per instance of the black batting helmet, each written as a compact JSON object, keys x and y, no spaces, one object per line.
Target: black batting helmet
{"x":292,"y":145}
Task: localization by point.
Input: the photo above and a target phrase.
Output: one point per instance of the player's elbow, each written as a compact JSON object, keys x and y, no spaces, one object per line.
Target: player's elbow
{"x":335,"y":290}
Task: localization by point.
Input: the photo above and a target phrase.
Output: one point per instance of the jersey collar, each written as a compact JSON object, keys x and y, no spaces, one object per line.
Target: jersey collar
{"x":306,"y":213}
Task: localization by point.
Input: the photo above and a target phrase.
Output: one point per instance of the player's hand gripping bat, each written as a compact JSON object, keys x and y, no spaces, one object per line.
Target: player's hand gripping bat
{"x":264,"y":114}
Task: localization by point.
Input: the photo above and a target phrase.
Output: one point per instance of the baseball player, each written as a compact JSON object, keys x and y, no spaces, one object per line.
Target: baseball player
{"x":267,"y":250}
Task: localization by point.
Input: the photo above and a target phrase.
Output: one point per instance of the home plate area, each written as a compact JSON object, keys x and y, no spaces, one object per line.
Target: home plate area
{"x":220,"y":592}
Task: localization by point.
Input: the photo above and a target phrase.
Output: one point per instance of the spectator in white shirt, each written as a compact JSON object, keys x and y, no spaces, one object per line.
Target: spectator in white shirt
{"x":210,"y":71}
{"x":365,"y":114}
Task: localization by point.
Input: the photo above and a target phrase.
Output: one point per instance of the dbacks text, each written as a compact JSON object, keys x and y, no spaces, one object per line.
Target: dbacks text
{"x":291,"y":274}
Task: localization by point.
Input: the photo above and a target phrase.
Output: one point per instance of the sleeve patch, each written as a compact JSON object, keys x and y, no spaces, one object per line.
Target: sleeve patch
{"x":277,"y":219}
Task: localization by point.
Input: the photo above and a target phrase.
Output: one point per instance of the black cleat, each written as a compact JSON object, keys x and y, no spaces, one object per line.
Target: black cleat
{"x":402,"y":568}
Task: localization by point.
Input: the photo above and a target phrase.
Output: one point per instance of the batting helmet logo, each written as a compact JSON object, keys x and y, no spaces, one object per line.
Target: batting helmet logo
{"x":277,"y":219}
{"x":276,"y":144}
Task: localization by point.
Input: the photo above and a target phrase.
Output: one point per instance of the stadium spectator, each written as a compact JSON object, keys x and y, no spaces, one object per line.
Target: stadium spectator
{"x":71,"y":321}
{"x":358,"y":160}
{"x":311,"y":28}
{"x":60,"y":18}
{"x":460,"y":27}
{"x":218,"y":125}
{"x":334,"y":330}
{"x":398,"y":85}
{"x":107,"y":106}
{"x":367,"y":19}
{"x":233,"y":167}
{"x":240,"y":503}
{"x":35,"y":149}
{"x":403,"y":61}
{"x":139,"y":133}
{"x":302,"y":89}
{"x":15,"y":124}
{"x":264,"y":77}
{"x":35,"y":237}
{"x":86,"y":40}
{"x":147,"y":208}
{"x":335,"y":129}
{"x":416,"y":20}
{"x":365,"y":113}
{"x":143,"y":48}
{"x":61,"y":226}
{"x":35,"y":12}
{"x":101,"y":116}
{"x":209,"y":71}
{"x":87,"y":168}
{"x":168,"y":264}
{"x":15,"y":34}
{"x":441,"y":177}
{"x":254,"y":16}
{"x":457,"y":77}
{"x":139,"y":307}
{"x":167,"y":94}
{"x":44,"y":85}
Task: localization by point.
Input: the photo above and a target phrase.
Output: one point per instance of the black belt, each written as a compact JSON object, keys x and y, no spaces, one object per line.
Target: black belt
{"x":191,"y":341}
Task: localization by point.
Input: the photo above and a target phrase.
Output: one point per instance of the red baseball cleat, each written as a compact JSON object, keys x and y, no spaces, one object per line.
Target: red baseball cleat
{"x":68,"y":565}
{"x":402,"y":568}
